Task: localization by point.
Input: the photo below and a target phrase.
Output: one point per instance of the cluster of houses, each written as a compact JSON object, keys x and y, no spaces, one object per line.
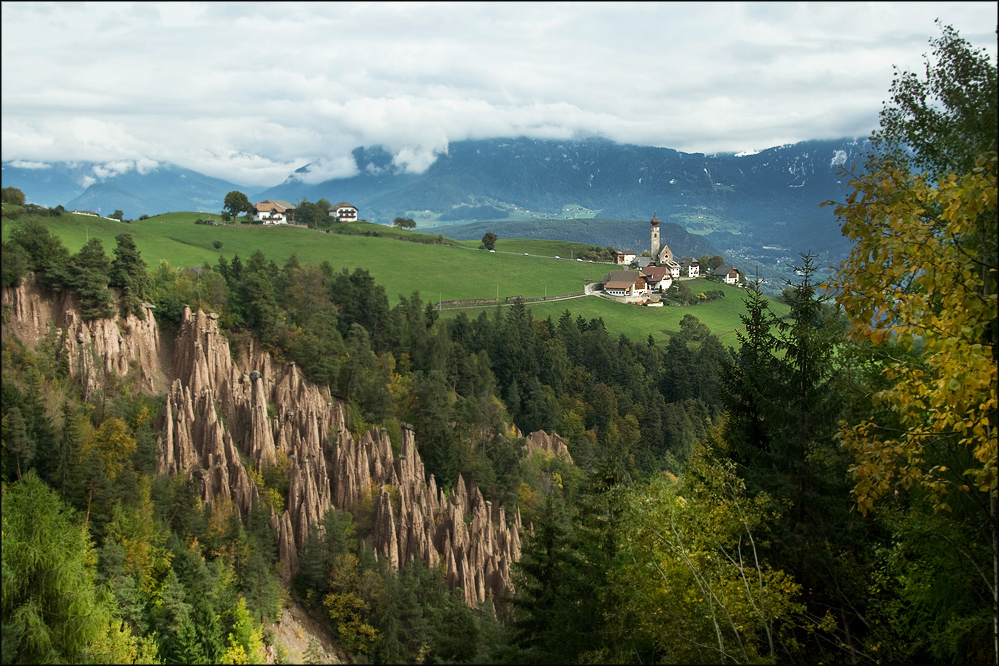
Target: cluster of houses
{"x":657,"y":271}
{"x":276,"y":211}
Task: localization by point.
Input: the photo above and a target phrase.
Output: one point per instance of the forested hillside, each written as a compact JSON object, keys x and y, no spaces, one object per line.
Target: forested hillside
{"x":825,"y":492}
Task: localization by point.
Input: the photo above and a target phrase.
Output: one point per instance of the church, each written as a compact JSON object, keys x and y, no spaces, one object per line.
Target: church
{"x":660,"y":252}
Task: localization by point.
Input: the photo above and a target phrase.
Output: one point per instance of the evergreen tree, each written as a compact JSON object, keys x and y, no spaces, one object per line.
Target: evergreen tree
{"x":747,"y":385}
{"x":129,"y":273}
{"x":88,"y":275}
{"x":48,"y":256}
{"x":15,"y":437}
{"x":550,"y":618}
{"x":16,"y":264}
{"x":51,"y":611}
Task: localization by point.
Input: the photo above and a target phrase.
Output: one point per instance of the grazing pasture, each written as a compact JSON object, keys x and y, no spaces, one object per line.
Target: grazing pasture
{"x":455,"y":271}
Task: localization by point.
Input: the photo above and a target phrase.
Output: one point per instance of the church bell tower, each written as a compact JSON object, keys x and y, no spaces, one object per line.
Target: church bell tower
{"x":654,"y":248}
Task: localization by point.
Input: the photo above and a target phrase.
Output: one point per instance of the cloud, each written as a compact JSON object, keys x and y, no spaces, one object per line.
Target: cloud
{"x":111,"y":169}
{"x":250,"y":92}
{"x":326,"y":169}
{"x":25,"y":164}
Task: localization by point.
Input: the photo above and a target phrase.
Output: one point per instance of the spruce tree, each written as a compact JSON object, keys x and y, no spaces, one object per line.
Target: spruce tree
{"x":89,"y":274}
{"x":129,"y":273}
{"x":550,"y":617}
{"x":51,"y":610}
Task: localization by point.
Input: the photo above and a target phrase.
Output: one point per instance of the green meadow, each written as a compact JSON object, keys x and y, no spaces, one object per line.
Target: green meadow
{"x":436,"y":271}
{"x":721,"y":316}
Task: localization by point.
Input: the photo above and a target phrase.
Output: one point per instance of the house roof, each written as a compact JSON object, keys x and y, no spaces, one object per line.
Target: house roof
{"x":724,"y":270}
{"x":618,"y":285}
{"x":686,"y":261}
{"x":344,"y":204}
{"x":655,"y":273}
{"x":273,"y":206}
{"x":281,"y":202}
{"x":622,"y":276}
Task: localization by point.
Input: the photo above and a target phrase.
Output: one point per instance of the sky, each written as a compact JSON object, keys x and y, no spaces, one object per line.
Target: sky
{"x":249,"y":92}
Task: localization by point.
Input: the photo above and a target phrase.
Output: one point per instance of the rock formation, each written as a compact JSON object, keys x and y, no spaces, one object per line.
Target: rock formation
{"x":552,"y":444}
{"x":264,"y":407}
{"x":220,"y":412}
{"x":92,"y":348}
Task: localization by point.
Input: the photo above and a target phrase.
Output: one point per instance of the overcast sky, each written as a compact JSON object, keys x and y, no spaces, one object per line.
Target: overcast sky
{"x":251,"y":91}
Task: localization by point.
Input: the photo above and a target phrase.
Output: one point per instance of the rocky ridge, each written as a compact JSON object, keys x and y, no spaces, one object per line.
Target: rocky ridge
{"x":223,"y":415}
{"x":218,"y":409}
{"x":551,"y":445}
{"x":93,"y":349}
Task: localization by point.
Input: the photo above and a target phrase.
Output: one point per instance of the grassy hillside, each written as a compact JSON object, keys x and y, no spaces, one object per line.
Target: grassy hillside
{"x":638,"y":323}
{"x":437,"y":272}
{"x":401,"y":267}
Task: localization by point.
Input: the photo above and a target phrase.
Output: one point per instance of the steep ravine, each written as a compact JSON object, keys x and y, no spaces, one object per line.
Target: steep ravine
{"x":216,"y":416}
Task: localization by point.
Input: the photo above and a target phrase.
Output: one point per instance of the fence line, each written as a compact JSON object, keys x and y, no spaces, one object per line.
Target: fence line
{"x":478,"y":302}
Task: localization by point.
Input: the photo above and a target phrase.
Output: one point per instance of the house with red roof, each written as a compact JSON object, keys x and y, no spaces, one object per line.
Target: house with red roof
{"x":274,"y":211}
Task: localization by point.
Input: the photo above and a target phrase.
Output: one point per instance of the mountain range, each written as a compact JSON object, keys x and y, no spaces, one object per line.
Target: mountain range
{"x":134,"y":187}
{"x":766,"y":201}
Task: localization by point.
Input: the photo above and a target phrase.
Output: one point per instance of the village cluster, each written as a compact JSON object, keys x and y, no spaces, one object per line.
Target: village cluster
{"x":656,"y":272}
{"x":642,"y":283}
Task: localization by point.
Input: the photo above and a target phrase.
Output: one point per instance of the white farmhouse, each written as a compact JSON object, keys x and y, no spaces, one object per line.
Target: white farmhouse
{"x":344,"y":212}
{"x":274,"y":211}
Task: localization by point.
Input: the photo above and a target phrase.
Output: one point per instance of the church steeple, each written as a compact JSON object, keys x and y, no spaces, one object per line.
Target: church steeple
{"x":654,"y":244}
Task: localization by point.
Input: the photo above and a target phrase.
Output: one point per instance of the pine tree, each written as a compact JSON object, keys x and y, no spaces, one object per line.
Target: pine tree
{"x":15,"y":436}
{"x":51,"y":612}
{"x":89,"y":274}
{"x":549,"y":615}
{"x":130,"y":274}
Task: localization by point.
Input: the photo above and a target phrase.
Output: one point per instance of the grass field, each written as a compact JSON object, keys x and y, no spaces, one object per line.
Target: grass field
{"x":638,"y":323}
{"x":437,"y":272}
{"x":534,"y":246}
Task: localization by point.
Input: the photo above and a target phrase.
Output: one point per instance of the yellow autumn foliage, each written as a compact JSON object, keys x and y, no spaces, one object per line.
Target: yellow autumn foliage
{"x":921,"y":275}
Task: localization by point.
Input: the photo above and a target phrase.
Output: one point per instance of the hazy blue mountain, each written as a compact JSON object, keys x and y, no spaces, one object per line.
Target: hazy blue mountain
{"x":762,"y":206}
{"x":48,"y":184}
{"x":770,"y":198}
{"x":104,"y":188}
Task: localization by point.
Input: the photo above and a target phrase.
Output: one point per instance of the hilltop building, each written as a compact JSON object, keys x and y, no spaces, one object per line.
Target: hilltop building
{"x":657,"y":277}
{"x":654,"y":245}
{"x":728,"y":274}
{"x":661,"y":254}
{"x":629,"y":285}
{"x":274,"y":211}
{"x":622,"y":258}
{"x":344,"y":212}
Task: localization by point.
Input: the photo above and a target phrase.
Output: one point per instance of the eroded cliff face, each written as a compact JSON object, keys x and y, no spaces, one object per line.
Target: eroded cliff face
{"x":218,"y":409}
{"x":92,"y":348}
{"x":552,"y":444}
{"x":220,"y":412}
